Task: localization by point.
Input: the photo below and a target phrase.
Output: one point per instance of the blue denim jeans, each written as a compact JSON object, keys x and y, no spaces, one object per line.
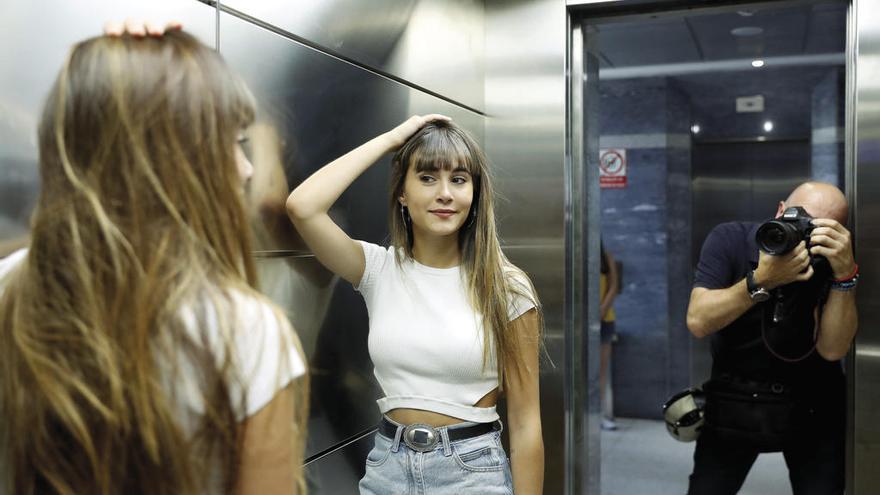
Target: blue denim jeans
{"x":475,"y":465}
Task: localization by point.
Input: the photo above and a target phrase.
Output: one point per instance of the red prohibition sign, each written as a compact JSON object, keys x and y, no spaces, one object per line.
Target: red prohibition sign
{"x":611,"y":162}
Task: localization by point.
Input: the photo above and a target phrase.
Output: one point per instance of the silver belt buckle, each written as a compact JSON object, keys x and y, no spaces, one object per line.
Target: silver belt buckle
{"x":421,"y":438}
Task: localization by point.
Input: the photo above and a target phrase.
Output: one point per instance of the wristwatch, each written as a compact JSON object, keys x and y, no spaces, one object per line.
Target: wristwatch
{"x":756,"y":293}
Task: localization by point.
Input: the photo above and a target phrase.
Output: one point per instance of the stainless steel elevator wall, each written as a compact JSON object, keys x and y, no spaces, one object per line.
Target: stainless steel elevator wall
{"x":865,"y":400}
{"x":525,"y":140}
{"x":434,"y":44}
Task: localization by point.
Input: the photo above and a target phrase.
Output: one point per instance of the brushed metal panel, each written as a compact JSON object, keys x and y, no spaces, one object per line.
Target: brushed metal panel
{"x":435,"y":44}
{"x":866,"y":413}
{"x":314,"y":108}
{"x":338,"y":473}
{"x":525,"y":91}
{"x":36,"y":37}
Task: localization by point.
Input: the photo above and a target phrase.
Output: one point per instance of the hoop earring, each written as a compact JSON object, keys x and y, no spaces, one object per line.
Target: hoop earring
{"x":403,"y":215}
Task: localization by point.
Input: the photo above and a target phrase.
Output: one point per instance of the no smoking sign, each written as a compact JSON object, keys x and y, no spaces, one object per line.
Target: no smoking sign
{"x":612,"y":168}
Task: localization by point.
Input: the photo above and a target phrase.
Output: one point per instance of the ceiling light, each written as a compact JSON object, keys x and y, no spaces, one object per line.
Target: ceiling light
{"x":695,"y":128}
{"x":746,"y":13}
{"x":746,"y":31}
{"x":757,"y":63}
{"x":768,"y":126}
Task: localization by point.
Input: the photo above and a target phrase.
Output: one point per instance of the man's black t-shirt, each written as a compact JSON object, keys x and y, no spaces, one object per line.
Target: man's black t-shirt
{"x":741,"y":348}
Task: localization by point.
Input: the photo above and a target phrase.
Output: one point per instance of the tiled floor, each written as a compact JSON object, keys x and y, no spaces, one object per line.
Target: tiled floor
{"x":640,"y":458}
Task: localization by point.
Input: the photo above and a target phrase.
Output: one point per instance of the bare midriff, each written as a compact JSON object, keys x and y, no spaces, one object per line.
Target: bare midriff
{"x":412,"y":416}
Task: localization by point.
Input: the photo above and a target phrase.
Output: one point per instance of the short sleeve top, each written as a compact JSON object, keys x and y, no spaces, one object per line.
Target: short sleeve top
{"x":426,"y":340}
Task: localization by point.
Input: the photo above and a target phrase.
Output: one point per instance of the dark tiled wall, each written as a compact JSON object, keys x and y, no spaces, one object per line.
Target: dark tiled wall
{"x":646,"y":226}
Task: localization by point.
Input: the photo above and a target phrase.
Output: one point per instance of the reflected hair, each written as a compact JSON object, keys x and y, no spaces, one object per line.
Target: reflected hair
{"x":492,"y":281}
{"x":139,"y":231}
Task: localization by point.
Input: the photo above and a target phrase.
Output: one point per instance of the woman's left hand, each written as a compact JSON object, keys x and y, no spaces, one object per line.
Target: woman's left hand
{"x":139,"y":28}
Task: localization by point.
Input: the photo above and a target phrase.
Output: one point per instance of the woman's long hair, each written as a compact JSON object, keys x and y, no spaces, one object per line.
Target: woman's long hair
{"x":492,"y":281}
{"x":139,"y":244}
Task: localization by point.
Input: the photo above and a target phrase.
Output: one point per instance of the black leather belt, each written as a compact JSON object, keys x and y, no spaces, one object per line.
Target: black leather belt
{"x":423,"y":438}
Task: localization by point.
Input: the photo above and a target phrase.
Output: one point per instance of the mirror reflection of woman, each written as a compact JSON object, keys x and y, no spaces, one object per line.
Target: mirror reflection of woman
{"x":135,"y":354}
{"x":453,"y":324}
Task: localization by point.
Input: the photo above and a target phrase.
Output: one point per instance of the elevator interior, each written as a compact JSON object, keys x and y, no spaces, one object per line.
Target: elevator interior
{"x":719,"y":111}
{"x":329,"y":74}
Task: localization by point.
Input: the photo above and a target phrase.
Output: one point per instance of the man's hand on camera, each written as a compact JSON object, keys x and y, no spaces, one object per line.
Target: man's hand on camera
{"x":776,"y":270}
{"x":833,"y":241}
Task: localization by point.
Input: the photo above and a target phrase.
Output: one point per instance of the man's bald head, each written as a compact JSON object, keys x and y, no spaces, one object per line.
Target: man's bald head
{"x":821,"y":200}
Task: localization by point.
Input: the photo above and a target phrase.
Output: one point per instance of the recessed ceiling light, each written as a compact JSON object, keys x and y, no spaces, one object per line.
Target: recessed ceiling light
{"x":768,"y":126}
{"x":695,"y":128}
{"x":757,"y":63}
{"x":744,"y":31}
{"x":746,"y":13}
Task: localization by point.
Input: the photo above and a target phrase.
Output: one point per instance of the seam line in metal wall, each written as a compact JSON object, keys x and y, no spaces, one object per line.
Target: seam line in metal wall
{"x":332,"y":53}
{"x":339,"y":446}
{"x":217,"y":26}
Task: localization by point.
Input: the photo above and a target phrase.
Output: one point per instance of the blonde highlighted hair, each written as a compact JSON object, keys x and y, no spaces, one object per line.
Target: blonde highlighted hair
{"x":138,"y":230}
{"x":492,"y":281}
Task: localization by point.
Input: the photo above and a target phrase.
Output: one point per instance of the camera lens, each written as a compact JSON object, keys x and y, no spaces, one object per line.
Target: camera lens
{"x":776,"y":237}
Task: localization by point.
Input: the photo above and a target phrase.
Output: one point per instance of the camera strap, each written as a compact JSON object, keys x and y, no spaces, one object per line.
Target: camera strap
{"x":777,"y":318}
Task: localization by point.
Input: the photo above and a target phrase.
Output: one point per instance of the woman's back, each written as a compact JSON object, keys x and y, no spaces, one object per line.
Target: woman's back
{"x":130,"y":336}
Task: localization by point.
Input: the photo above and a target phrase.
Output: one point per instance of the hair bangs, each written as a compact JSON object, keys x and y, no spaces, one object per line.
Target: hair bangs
{"x":243,"y":103}
{"x":444,"y":150}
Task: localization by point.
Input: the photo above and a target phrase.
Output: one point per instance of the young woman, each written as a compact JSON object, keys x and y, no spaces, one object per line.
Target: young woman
{"x":135,"y":354}
{"x":453,"y":324}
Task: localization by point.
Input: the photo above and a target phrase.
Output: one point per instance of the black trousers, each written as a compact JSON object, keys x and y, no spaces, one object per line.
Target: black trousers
{"x":815,"y":457}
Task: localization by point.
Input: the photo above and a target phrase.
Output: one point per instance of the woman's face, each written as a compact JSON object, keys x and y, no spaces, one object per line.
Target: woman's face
{"x":243,"y":164}
{"x":438,"y":200}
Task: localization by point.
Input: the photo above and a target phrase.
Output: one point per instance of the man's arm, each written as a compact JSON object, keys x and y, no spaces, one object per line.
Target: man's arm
{"x":710,"y":310}
{"x":839,"y":322}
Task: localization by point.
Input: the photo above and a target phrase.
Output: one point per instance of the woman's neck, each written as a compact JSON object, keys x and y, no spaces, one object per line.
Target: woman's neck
{"x":437,"y":252}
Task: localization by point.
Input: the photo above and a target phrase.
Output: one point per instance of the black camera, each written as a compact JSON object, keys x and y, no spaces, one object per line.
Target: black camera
{"x":782,"y":234}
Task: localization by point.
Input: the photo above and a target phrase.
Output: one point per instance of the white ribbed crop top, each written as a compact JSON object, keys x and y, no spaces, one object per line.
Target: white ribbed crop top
{"x":426,"y":340}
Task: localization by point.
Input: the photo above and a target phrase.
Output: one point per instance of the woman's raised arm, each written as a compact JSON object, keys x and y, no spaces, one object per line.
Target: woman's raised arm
{"x":308,"y":204}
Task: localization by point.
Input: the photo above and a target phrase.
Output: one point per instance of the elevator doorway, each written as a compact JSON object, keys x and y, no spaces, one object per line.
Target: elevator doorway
{"x":717,"y":114}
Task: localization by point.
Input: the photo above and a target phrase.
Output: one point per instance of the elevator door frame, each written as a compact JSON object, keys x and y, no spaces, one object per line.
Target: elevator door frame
{"x":582,"y":446}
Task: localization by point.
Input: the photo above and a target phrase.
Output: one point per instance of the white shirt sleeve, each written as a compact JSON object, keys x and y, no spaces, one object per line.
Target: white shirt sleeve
{"x":266,"y":355}
{"x":522,"y":298}
{"x":375,"y":259}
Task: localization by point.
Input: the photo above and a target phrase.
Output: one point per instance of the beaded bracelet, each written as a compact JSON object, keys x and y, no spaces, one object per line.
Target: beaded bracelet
{"x":847,"y":283}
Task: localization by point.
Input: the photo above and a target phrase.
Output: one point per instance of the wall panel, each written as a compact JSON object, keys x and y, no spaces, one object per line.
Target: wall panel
{"x":433,"y":44}
{"x":525,"y":140}
{"x":866,"y":366}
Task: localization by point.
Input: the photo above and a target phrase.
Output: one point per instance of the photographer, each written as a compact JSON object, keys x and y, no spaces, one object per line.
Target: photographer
{"x":779,"y":323}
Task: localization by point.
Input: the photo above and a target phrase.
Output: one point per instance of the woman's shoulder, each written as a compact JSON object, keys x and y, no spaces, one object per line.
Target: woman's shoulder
{"x":371,"y":248}
{"x":517,"y":278}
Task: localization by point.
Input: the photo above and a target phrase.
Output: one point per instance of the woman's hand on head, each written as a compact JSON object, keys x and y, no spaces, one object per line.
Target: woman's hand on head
{"x":139,"y":28}
{"x":401,"y":133}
